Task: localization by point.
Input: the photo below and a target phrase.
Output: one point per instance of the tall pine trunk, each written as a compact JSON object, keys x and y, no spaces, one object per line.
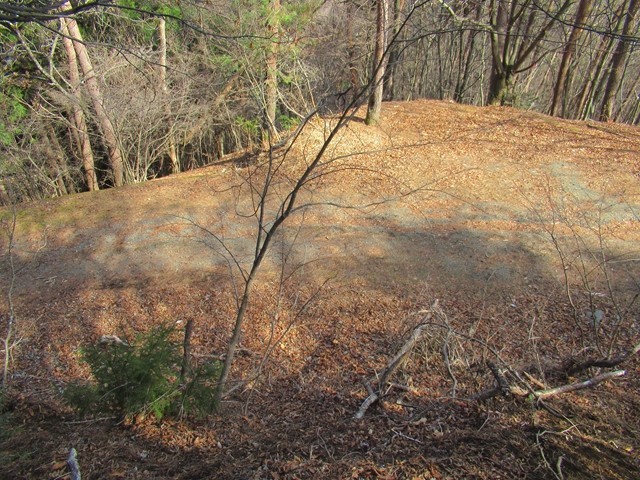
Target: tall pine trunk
{"x":93,"y":89}
{"x":80,"y":132}
{"x":162,"y":53}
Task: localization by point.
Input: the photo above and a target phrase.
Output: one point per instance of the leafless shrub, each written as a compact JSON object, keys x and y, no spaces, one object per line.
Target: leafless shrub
{"x":599,"y":269}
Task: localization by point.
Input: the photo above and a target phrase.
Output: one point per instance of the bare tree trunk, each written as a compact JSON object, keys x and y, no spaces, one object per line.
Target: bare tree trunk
{"x":585,"y":104}
{"x":466,"y":57}
{"x":394,"y":54}
{"x":500,"y":71}
{"x":563,"y":74}
{"x":377,"y":84}
{"x":236,"y":335}
{"x":351,"y":52}
{"x":513,"y":43}
{"x":57,"y":163}
{"x":271,"y":76}
{"x":91,"y":82}
{"x":617,"y":63}
{"x":171,"y":147}
{"x":80,"y":131}
{"x":595,"y":82}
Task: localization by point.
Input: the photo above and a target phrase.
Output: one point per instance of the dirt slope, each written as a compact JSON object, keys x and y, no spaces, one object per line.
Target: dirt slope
{"x":484,"y":176}
{"x":454,"y":202}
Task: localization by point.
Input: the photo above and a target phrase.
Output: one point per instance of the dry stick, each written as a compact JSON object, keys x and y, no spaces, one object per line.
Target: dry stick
{"x":541,"y":394}
{"x":447,"y":360}
{"x":503,"y":383}
{"x":72,"y":463}
{"x":550,"y":392}
{"x":370,"y":400}
{"x":394,"y":364}
{"x":605,"y":362}
{"x":186,"y":356}
{"x":534,"y":380}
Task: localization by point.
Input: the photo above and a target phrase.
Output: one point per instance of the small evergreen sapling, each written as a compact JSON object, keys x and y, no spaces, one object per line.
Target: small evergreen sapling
{"x":143,"y":376}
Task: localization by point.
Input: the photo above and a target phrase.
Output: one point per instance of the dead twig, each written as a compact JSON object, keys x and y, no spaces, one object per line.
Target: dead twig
{"x":447,"y":360}
{"x":557,"y":472}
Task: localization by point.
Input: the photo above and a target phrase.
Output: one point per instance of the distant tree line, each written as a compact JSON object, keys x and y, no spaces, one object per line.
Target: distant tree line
{"x":100,"y":94}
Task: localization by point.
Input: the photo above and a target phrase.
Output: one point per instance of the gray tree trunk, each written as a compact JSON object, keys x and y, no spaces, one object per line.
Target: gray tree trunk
{"x":617,"y":63}
{"x":563,"y":74}
{"x":377,"y":81}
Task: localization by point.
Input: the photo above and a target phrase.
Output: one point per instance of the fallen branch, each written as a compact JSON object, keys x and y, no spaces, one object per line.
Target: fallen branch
{"x":604,"y":362}
{"x":549,"y":392}
{"x":72,"y":463}
{"x":503,"y":383}
{"x":394,"y":364}
{"x":399,"y":358}
{"x":578,"y":385}
{"x":370,"y":400}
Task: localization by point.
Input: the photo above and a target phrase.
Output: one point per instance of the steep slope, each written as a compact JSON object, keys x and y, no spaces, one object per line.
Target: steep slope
{"x":440,"y":201}
{"x":477,"y":174}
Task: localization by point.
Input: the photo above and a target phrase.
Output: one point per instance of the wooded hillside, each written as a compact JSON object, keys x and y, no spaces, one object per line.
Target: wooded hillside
{"x":456,"y":297}
{"x":94,"y":96}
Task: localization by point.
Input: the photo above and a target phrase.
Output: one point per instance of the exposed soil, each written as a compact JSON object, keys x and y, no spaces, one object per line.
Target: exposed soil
{"x":441,"y":201}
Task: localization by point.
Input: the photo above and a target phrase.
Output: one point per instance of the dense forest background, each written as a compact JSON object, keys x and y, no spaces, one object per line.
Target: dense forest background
{"x":120,"y":93}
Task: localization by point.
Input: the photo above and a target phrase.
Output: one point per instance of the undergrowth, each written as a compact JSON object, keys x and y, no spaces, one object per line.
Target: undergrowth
{"x":142,"y":377}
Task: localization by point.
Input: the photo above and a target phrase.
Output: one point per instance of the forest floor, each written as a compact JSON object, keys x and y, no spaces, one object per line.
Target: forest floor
{"x":498,"y":214}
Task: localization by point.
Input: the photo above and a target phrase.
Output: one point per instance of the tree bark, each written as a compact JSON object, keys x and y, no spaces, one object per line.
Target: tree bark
{"x":394,"y":53}
{"x":499,"y":46}
{"x":513,"y":43}
{"x":162,"y":61}
{"x":80,"y":132}
{"x":617,"y":63}
{"x":467,"y":57}
{"x":93,"y":89}
{"x":378,"y":65}
{"x":271,"y":74}
{"x":563,"y":74}
{"x":354,"y":78}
